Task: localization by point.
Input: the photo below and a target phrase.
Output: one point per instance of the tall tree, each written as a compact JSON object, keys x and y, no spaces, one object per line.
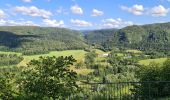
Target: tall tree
{"x":49,"y":77}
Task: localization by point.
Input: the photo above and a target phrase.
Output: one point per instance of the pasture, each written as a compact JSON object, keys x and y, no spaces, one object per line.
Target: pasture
{"x":3,"y":52}
{"x":148,"y":61}
{"x":134,"y":51}
{"x":77,"y":54}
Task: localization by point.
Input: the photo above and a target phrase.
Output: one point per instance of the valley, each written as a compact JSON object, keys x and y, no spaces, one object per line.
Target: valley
{"x":84,"y":50}
{"x":101,"y":56}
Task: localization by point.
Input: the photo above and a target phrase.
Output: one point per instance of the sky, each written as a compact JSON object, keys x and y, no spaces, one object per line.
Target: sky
{"x":83,"y":14}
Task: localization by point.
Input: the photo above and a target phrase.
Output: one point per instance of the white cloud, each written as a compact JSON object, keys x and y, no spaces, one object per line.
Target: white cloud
{"x":159,"y":11}
{"x":96,"y":12}
{"x":76,"y":10}
{"x":33,"y":11}
{"x":53,"y":23}
{"x":80,"y":23}
{"x":26,"y":0}
{"x":135,"y":9}
{"x":16,"y":23}
{"x":115,"y":23}
{"x":140,"y":10}
{"x":2,"y":14}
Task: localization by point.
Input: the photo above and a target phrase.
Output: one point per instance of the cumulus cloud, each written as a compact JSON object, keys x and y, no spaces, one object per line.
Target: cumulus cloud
{"x":16,"y":23}
{"x":33,"y":11}
{"x":53,"y":23}
{"x":159,"y":11}
{"x":2,"y":14}
{"x":26,"y":0}
{"x":76,"y":10}
{"x":153,"y":11}
{"x":96,"y":12}
{"x":80,"y":23}
{"x":135,"y":9}
{"x":115,"y":23}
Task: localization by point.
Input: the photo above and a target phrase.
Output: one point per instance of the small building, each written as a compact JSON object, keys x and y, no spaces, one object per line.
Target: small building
{"x":104,"y":55}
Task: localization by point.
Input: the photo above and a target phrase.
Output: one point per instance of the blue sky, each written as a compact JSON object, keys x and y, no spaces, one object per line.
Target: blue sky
{"x":83,"y":14}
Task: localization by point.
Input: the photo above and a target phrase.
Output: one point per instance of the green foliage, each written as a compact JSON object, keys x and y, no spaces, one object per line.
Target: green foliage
{"x":99,"y":38}
{"x":153,"y":73}
{"x":166,"y":70}
{"x":49,"y":77}
{"x":6,"y":86}
{"x":9,"y":59}
{"x":38,"y":40}
{"x":149,"y":38}
{"x":90,"y":58}
{"x":116,"y":68}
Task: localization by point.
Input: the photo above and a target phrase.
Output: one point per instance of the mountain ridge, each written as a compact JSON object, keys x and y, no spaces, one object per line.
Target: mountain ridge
{"x":143,"y":37}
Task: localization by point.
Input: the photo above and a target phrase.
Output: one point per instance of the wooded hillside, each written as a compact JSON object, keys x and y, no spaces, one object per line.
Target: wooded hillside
{"x":34,"y":40}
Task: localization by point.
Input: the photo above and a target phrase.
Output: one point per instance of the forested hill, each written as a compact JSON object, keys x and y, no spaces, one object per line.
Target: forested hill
{"x":144,"y":37}
{"x":99,"y":37}
{"x":34,"y":40}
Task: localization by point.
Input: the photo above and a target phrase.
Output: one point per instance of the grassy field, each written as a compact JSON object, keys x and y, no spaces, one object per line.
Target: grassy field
{"x":148,"y":61}
{"x":77,"y":54}
{"x":2,"y":52}
{"x":134,"y":51}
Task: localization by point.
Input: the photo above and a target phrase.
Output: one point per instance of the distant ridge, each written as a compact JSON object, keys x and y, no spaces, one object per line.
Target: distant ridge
{"x":31,"y":40}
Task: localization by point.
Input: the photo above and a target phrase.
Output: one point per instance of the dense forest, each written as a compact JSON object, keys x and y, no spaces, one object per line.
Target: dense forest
{"x":37,"y":40}
{"x":152,"y":37}
{"x":98,"y":37}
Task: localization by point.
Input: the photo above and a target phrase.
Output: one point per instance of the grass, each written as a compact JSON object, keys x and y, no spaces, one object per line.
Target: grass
{"x":134,"y":51}
{"x":83,"y":71}
{"x":77,"y":54}
{"x":3,"y":52}
{"x":120,"y":54}
{"x":148,"y":61}
{"x":99,"y":51}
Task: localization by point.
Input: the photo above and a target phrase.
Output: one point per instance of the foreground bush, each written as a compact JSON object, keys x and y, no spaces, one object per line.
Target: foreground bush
{"x":43,"y":79}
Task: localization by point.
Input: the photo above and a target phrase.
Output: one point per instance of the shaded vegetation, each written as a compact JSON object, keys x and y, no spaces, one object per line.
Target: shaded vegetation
{"x":38,"y":40}
{"x":149,"y":38}
{"x":10,"y":59}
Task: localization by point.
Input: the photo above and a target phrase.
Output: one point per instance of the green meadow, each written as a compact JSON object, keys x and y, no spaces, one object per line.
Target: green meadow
{"x":148,"y":61}
{"x":2,"y":52}
{"x":77,"y":54}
